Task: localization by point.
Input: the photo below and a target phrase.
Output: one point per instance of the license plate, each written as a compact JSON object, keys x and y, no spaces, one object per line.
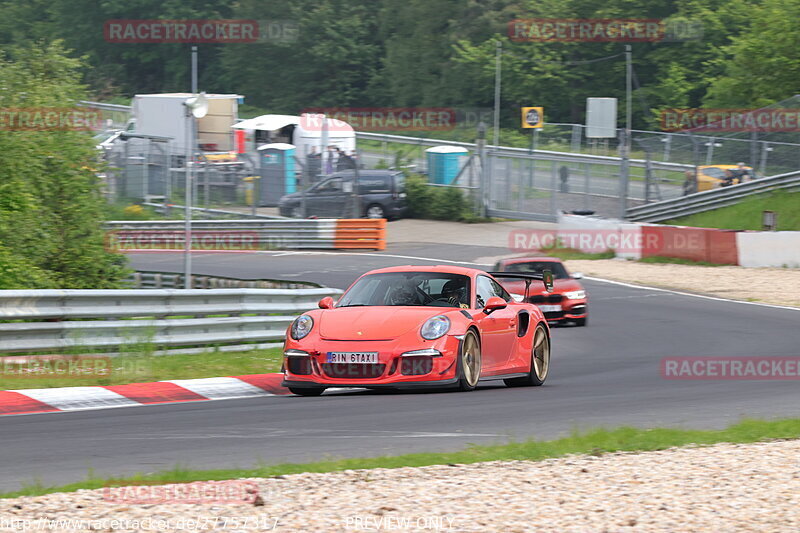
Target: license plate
{"x":549,"y":308}
{"x":369,"y":358}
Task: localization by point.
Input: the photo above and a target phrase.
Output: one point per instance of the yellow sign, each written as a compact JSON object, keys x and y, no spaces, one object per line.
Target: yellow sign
{"x":532,"y":117}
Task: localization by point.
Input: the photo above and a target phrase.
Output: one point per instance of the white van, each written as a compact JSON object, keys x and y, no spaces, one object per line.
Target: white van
{"x":305,"y":132}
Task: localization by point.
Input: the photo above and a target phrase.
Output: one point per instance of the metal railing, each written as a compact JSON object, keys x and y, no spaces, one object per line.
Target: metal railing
{"x":525,"y":153}
{"x":177,"y":211}
{"x":110,"y":320}
{"x":713,"y":199}
{"x":169,"y":280}
{"x":537,"y":184}
{"x":248,"y":235}
{"x":266,"y":234}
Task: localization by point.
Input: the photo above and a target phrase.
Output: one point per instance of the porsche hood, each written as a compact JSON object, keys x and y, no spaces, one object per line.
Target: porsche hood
{"x":374,"y":322}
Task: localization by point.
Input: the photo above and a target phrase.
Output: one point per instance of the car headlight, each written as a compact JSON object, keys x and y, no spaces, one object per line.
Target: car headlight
{"x":302,"y":326}
{"x":517,"y":297}
{"x":435,"y":327}
{"x":575,"y":295}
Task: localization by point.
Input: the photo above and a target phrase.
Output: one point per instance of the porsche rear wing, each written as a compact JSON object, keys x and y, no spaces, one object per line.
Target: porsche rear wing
{"x":545,"y":277}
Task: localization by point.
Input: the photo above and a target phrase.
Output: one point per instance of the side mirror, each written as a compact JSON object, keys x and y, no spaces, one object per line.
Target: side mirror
{"x":494,"y":303}
{"x":326,"y":303}
{"x":547,"y":277}
{"x":577,"y":275}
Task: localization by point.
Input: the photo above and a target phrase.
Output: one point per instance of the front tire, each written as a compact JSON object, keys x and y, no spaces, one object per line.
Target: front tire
{"x":540,"y":361}
{"x":469,"y":362}
{"x":582,"y":321}
{"x":307,"y":391}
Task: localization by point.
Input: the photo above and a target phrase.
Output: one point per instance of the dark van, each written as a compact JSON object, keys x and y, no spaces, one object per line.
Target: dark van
{"x":382,"y":195}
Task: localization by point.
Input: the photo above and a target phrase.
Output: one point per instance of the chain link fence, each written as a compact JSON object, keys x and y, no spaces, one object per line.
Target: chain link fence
{"x":560,"y":170}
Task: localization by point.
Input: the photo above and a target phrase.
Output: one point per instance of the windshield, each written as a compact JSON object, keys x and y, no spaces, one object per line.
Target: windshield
{"x":434,"y":289}
{"x":537,"y":267}
{"x":714,"y":172}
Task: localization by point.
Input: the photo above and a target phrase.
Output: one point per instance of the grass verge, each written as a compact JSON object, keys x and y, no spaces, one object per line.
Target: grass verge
{"x":676,"y":261}
{"x":747,"y":213}
{"x":139,"y":368}
{"x":571,"y":253}
{"x":595,"y":442}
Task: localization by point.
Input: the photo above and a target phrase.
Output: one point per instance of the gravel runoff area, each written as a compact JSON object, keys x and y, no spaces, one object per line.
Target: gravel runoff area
{"x":779,"y":286}
{"x":721,"y":488}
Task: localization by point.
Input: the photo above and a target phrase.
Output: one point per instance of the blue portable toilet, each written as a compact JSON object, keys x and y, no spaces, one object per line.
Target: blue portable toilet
{"x":444,"y":163}
{"x":276,"y":164}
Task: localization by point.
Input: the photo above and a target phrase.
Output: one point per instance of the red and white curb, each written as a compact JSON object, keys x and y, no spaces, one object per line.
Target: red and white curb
{"x":30,"y":401}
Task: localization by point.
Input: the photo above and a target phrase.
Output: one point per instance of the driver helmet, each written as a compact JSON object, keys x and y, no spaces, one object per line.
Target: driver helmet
{"x":455,"y":289}
{"x":404,"y":294}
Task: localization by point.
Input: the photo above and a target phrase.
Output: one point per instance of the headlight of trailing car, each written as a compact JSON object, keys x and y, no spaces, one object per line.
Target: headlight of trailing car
{"x":517,"y":297}
{"x":575,"y":295}
{"x":302,"y":326}
{"x":435,"y":327}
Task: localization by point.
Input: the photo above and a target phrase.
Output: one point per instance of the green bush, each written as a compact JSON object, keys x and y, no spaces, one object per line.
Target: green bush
{"x":18,"y":273}
{"x":51,"y":206}
{"x":437,"y":203}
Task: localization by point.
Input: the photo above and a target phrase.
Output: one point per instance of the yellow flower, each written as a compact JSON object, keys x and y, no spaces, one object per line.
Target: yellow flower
{"x":133,"y":210}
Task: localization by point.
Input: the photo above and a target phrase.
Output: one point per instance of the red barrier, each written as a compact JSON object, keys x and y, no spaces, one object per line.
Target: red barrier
{"x":694,"y":244}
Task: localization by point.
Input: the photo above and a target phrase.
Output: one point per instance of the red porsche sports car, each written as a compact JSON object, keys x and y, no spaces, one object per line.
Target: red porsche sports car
{"x":416,"y":326}
{"x":568,"y":301}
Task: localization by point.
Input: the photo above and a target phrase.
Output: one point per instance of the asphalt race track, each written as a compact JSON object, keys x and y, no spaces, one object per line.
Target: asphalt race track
{"x":606,"y":374}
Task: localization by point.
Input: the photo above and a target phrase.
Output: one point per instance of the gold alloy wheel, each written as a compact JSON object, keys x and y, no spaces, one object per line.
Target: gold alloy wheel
{"x":541,"y":354}
{"x":471,"y":359}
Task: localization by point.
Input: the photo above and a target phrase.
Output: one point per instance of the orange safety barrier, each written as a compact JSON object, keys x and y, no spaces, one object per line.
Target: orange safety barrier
{"x":360,"y":234}
{"x":695,"y":244}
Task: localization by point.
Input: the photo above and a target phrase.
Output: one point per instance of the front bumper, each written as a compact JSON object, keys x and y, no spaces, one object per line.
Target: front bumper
{"x":392,"y":369}
{"x":405,"y":385}
{"x":569,"y":309}
{"x":567,"y":314}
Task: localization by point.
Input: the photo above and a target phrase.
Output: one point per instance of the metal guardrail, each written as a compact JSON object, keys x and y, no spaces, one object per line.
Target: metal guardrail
{"x":266,"y":234}
{"x":524,"y":153}
{"x":169,"y":280}
{"x":253,"y":234}
{"x":50,"y":320}
{"x":215,"y":213}
{"x":713,"y":199}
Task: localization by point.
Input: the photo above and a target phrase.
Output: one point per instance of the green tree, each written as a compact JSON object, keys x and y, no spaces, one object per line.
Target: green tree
{"x":762,"y":65}
{"x":50,"y":203}
{"x":331,"y":63}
